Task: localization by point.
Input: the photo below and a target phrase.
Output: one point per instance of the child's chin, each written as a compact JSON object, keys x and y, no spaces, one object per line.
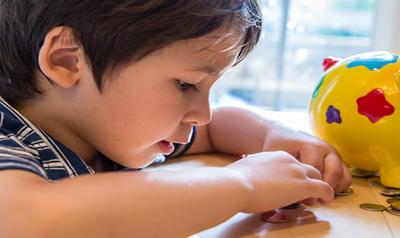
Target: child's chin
{"x":144,"y":161}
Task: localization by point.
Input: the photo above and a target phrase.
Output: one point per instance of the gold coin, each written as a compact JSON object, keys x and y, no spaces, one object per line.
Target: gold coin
{"x":346,"y":192}
{"x":372,"y":207}
{"x":392,"y":200}
{"x":376,"y":182}
{"x":360,"y":173}
{"x":393,"y":211}
{"x":396,"y":205}
{"x":390,"y":192}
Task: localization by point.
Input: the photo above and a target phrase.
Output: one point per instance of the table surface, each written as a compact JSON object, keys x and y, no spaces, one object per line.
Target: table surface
{"x":341,"y":218}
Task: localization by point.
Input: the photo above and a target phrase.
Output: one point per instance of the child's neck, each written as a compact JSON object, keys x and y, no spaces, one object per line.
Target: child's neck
{"x":45,"y":118}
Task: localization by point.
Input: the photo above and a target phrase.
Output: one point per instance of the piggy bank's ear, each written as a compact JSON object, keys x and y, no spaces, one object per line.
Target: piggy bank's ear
{"x":329,"y":62}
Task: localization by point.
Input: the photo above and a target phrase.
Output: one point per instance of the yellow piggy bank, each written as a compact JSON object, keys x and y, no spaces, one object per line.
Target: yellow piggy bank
{"x":356,"y":108}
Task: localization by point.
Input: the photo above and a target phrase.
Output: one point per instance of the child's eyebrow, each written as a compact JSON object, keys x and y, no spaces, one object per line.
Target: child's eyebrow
{"x":207,"y":69}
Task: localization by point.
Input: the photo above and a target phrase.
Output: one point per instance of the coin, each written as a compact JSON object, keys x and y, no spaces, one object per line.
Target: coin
{"x":372,"y":207}
{"x":393,"y":211}
{"x":390,"y":192}
{"x":360,"y":173}
{"x":346,"y":192}
{"x":392,"y":200}
{"x":274,"y":217}
{"x":396,"y":205}
{"x":376,"y":181}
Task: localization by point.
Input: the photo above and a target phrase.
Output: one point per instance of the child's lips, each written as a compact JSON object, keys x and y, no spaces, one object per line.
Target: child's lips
{"x":166,"y":147}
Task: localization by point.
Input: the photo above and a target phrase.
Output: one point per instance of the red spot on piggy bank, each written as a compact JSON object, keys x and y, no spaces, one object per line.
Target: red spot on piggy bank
{"x":374,"y":105}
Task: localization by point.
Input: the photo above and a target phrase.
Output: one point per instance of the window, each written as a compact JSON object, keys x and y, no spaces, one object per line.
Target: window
{"x":283,"y":70}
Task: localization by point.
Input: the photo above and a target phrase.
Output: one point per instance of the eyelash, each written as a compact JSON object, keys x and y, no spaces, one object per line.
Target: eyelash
{"x":186,"y":86}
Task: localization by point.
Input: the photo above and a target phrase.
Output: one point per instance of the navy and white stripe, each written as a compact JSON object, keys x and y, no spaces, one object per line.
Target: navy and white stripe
{"x":24,"y":146}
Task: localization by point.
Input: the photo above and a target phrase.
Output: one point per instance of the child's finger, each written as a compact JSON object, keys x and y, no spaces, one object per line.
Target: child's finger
{"x":333,"y":171}
{"x":345,"y":182}
{"x":312,"y":156}
{"x":312,"y":172}
{"x":309,"y":201}
{"x":321,"y":190}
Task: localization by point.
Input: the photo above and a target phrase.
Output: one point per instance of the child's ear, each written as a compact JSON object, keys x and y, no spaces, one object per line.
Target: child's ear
{"x":60,"y":58}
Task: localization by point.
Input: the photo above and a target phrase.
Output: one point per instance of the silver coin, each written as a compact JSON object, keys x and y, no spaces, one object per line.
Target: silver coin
{"x":347,"y":192}
{"x":390,"y":192}
{"x":393,"y":211}
{"x":396,"y":205}
{"x":392,"y":200}
{"x":372,"y":207}
{"x":360,"y":173}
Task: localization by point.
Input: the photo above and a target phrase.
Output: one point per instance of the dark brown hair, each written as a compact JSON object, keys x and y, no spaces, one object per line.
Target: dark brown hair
{"x":112,"y":33}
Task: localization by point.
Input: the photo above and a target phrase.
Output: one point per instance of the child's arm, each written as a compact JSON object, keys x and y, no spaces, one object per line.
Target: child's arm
{"x":152,"y":204}
{"x":239,"y":131}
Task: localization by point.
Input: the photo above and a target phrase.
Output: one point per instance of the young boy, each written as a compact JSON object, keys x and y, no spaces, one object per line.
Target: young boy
{"x":101,"y":88}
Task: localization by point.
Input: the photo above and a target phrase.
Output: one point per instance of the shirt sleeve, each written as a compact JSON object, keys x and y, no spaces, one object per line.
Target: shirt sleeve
{"x":181,"y":149}
{"x":15,"y":157}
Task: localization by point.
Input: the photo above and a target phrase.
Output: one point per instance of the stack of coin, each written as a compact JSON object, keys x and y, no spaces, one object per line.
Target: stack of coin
{"x":274,"y":217}
{"x":284,"y":214}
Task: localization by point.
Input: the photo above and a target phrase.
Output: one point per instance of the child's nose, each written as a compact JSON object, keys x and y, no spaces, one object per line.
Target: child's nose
{"x":200,"y":114}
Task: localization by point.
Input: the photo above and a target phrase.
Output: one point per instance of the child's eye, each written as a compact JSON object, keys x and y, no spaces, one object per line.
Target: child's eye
{"x":186,"y":86}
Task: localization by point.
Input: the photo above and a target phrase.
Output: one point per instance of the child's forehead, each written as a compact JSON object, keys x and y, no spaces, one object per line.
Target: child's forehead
{"x":210,"y":48}
{"x":222,"y":40}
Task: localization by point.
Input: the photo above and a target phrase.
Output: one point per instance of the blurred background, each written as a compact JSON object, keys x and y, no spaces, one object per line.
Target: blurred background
{"x":281,"y":73}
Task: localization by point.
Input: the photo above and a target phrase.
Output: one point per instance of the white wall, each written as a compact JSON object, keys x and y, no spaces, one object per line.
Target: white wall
{"x":387,"y":29}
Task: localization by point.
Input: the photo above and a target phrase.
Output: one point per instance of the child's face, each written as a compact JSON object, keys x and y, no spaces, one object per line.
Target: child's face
{"x":145,"y":104}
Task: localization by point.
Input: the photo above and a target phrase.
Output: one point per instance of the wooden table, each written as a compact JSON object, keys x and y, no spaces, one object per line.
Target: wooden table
{"x":341,"y":218}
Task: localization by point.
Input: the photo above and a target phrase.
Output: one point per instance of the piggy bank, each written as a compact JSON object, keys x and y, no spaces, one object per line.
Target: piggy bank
{"x":356,"y":108}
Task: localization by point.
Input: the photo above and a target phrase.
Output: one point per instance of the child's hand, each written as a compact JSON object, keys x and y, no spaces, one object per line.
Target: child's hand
{"x":277,"y":179}
{"x":310,"y":150}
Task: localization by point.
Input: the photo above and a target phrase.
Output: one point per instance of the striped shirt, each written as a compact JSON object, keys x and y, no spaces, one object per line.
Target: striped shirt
{"x":23,"y":146}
